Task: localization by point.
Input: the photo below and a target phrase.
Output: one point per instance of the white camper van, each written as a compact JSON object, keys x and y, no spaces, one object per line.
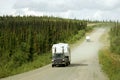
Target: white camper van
{"x":61,"y":54}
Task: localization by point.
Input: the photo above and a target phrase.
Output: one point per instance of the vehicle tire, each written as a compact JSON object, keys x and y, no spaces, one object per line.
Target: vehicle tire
{"x":64,"y":65}
{"x":69,"y":62}
{"x":53,"y":65}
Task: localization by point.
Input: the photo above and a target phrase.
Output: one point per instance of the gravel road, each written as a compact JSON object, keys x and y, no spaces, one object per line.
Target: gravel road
{"x":84,"y":64}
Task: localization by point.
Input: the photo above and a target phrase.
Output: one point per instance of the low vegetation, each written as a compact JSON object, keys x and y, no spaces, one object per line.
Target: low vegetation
{"x":38,"y":62}
{"x":109,"y":56}
{"x":110,"y":63}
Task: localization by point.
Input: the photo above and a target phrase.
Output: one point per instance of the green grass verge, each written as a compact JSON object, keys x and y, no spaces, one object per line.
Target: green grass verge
{"x":110,"y":64}
{"x":39,"y":61}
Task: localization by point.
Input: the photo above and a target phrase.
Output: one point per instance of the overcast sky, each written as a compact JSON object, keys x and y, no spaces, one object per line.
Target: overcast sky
{"x":79,"y":9}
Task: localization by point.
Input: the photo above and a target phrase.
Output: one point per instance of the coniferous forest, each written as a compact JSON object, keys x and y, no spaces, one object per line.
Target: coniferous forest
{"x":23,"y":38}
{"x":115,"y":38}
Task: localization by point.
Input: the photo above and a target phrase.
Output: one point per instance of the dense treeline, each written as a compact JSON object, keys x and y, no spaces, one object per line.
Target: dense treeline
{"x":115,"y":38}
{"x":23,"y":38}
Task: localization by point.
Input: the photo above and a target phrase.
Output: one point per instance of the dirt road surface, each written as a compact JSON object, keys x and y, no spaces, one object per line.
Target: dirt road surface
{"x":84,"y":64}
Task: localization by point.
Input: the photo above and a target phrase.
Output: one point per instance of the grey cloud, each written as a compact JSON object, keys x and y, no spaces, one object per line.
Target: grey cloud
{"x":81,"y":9}
{"x":63,"y":5}
{"x":41,"y":6}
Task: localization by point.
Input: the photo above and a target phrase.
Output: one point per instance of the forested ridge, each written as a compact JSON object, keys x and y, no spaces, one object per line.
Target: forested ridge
{"x":24,"y":38}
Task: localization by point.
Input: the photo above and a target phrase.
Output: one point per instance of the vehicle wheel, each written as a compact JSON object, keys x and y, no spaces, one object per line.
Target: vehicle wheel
{"x":64,"y":65}
{"x":53,"y":65}
{"x":69,"y":62}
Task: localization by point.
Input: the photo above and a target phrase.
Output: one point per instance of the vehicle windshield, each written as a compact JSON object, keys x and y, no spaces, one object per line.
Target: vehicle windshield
{"x":58,"y":56}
